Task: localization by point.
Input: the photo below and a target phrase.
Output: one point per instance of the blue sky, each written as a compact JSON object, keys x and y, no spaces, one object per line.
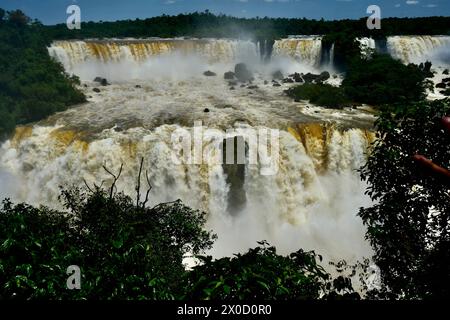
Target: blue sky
{"x":54,"y":11}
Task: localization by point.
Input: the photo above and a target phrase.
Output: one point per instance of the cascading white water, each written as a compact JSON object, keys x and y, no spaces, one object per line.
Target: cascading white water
{"x":143,"y":58}
{"x":366,"y":45}
{"x":417,"y":49}
{"x":310,"y":203}
{"x":306,"y":50}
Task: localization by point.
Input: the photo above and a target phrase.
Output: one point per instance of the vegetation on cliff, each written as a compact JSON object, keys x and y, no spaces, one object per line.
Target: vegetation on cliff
{"x":377,"y":80}
{"x":32,"y":85}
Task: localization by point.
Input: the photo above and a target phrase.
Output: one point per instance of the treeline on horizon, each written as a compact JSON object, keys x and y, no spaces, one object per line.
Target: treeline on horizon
{"x":206,"y":24}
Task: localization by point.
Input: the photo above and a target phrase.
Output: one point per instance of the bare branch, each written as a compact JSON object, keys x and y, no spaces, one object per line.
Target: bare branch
{"x":138,"y":186}
{"x":148,"y":190}
{"x":111,"y":190}
{"x":87,"y":186}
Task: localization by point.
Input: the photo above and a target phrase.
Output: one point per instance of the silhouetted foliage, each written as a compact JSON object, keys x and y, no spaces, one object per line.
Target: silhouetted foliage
{"x":124,"y":251}
{"x":408,"y":225}
{"x":262,"y":274}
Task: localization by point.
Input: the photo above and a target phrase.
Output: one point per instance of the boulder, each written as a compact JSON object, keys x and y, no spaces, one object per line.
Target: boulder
{"x":232,"y":88}
{"x":276,"y":84}
{"x":232,"y":83}
{"x":441,"y":85}
{"x":446,"y":80}
{"x":288,"y":80}
{"x":309,"y":77}
{"x":137,"y":86}
{"x":242,"y":73}
{"x":297,"y":77}
{"x":277,"y":75}
{"x":446,"y":71}
{"x":252,"y":87}
{"x":324,"y":76}
{"x":102,"y":81}
{"x":206,"y":110}
{"x":209,"y":74}
{"x":96,"y":90}
{"x":228,"y":75}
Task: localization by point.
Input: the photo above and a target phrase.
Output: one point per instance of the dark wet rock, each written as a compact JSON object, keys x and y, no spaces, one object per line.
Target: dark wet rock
{"x":297,"y":77}
{"x":446,"y":80}
{"x":102,"y":81}
{"x":206,"y":110}
{"x":266,"y":82}
{"x":324,"y":76}
{"x":96,"y":90}
{"x":426,"y":69}
{"x":441,"y":85}
{"x":276,"y":84}
{"x":234,"y":153}
{"x":242,"y":85}
{"x":137,"y":86}
{"x":232,"y":83}
{"x":232,"y":88}
{"x":445,"y":92}
{"x":297,"y":100}
{"x":228,"y":75}
{"x":309,"y":77}
{"x":209,"y":74}
{"x":446,"y":71}
{"x":242,"y":73}
{"x":277,"y":75}
{"x":252,"y":87}
{"x":288,"y":80}
{"x":118,"y":128}
{"x":85,"y":85}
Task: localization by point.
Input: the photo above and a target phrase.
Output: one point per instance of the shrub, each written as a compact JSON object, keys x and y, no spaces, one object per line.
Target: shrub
{"x":321,"y":94}
{"x":381,"y":79}
{"x":262,"y":274}
{"x":408,"y":224}
{"x":125,"y":250}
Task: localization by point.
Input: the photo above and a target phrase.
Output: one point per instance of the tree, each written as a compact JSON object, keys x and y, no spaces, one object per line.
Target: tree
{"x":408,"y":225}
{"x":18,"y":18}
{"x":380,"y":79}
{"x":262,"y":274}
{"x":125,"y":250}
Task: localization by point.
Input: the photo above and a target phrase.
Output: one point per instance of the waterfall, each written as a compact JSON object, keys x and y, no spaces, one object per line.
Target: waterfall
{"x":304,"y":49}
{"x":308,"y":203}
{"x":132,"y":55}
{"x":366,"y":45}
{"x":417,"y":49}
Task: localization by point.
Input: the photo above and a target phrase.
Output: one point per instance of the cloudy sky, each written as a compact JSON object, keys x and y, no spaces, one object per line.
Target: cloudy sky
{"x":54,"y":11}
